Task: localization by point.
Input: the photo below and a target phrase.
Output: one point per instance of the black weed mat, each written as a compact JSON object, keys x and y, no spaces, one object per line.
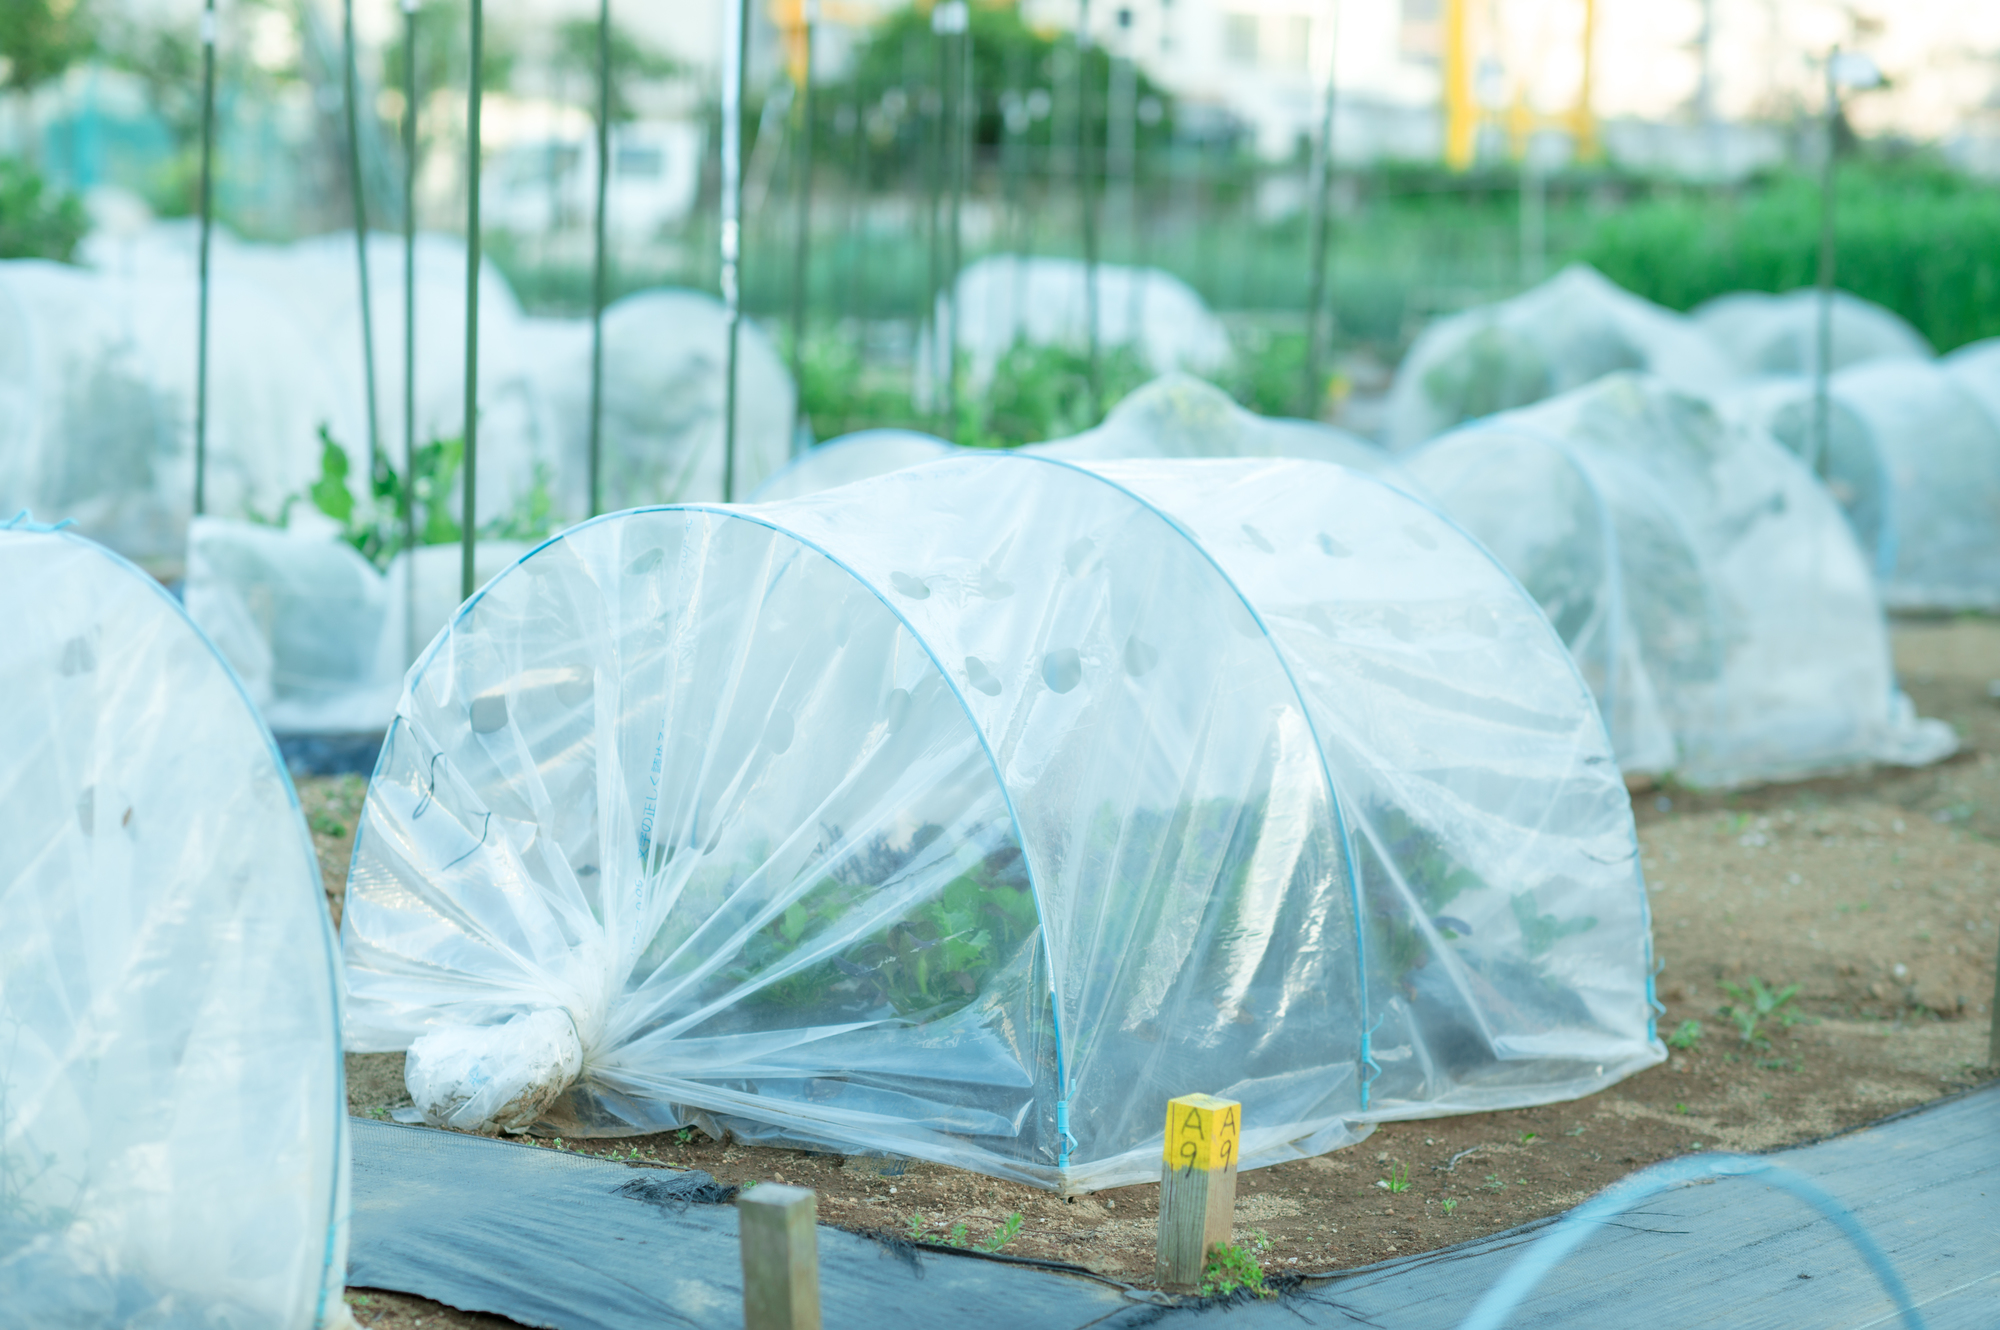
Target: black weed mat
{"x":550,"y":1239}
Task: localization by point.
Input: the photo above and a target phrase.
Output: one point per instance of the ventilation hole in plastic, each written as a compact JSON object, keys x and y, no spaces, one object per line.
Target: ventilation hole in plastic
{"x":1256,"y":538}
{"x":1062,"y":669}
{"x":489,"y":713}
{"x":979,"y":676}
{"x":1333,"y":547}
{"x":646,"y":562}
{"x":78,"y":657}
{"x":1139,"y":657}
{"x":914,"y":588}
{"x":86,"y":809}
{"x":992,"y":587}
{"x":1078,"y":554}
{"x":575,"y":689}
{"x":1419,"y":537}
{"x":778,"y":732}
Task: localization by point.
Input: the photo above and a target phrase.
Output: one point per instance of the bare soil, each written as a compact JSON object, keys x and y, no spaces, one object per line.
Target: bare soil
{"x":1877,"y":893}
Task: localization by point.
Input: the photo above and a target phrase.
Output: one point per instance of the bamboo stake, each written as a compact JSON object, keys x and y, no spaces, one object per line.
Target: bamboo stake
{"x":1087,"y":201}
{"x":595,"y":482}
{"x":408,"y":500}
{"x":734,"y":73}
{"x":1322,"y":212}
{"x":1197,"y":1184}
{"x":360,"y":235}
{"x":780,"y":1246}
{"x":471,"y":507}
{"x":802,"y":183}
{"x":207,"y":226}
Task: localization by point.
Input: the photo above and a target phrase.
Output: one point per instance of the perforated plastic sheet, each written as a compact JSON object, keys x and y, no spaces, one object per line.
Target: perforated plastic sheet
{"x":995,"y":797}
{"x":1709,"y":588}
{"x":1912,"y":456}
{"x":1779,"y":334}
{"x":172,"y":1118}
{"x":1570,"y":330}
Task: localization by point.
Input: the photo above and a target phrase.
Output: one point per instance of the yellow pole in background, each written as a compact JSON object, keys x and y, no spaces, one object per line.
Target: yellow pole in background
{"x":1461,"y":113}
{"x":1583,"y":125}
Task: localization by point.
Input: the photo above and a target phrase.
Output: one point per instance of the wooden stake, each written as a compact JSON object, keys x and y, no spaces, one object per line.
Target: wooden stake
{"x":780,"y":1257}
{"x":1197,"y":1184}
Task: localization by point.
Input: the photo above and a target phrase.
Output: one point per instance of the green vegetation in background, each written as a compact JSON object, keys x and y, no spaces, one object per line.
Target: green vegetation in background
{"x":1912,"y":235}
{"x":374,"y":525}
{"x":35,"y":221}
{"x":39,"y":39}
{"x":1040,"y":393}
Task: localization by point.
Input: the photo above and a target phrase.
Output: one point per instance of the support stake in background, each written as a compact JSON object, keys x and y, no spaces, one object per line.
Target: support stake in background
{"x":597,"y":256}
{"x":207,"y":224}
{"x":465,"y":559}
{"x":1197,"y":1184}
{"x":776,"y":1224}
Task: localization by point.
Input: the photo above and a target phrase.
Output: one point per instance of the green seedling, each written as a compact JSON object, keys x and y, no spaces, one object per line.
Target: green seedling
{"x":328,"y":826}
{"x":1685,"y":1036}
{"x":915,"y":1228}
{"x":1493,"y":1182}
{"x":1752,"y":1005}
{"x":1574,"y":1131}
{"x":684,"y":1135}
{"x":1529,"y":1137}
{"x":1231,"y":1267}
{"x":1398,"y":1180}
{"x":1680,"y":1108}
{"x":1450,"y":1204}
{"x":1004,"y":1234}
{"x":957,"y":1235}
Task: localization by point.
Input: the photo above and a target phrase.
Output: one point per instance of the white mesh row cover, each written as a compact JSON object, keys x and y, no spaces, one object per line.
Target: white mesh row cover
{"x":1178,"y":416}
{"x":1762,"y":333}
{"x":1708,"y":587}
{"x":320,"y":639}
{"x":1573,"y":328}
{"x":972,"y":811}
{"x":851,"y":457}
{"x":1043,"y":301}
{"x":1976,"y":366}
{"x":665,"y":382}
{"x":1913,"y":458}
{"x":84,"y":431}
{"x":1173,"y":416}
{"x":173,"y":1138}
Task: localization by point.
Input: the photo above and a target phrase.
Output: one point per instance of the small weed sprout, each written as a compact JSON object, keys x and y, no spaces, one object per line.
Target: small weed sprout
{"x":1493,"y":1182}
{"x":1450,"y":1204}
{"x":1752,"y":1005}
{"x":957,"y":1238}
{"x":326,"y":825}
{"x":1680,"y":1108}
{"x":1004,"y":1234}
{"x":1231,"y":1267}
{"x":1686,"y":1036}
{"x":1529,"y":1137}
{"x":914,"y":1229}
{"x":684,"y":1135}
{"x":1398,"y":1180}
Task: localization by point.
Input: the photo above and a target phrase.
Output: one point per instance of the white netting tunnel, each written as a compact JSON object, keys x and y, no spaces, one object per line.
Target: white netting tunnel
{"x":1179,"y":416}
{"x":172,"y":1116}
{"x":1913,"y":457}
{"x":971,"y":811}
{"x":1573,"y":328}
{"x":1709,"y":588}
{"x":851,"y":457}
{"x":1762,"y":333}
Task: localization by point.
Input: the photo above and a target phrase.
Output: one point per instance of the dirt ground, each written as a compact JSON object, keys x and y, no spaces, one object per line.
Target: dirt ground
{"x":1877,"y":893}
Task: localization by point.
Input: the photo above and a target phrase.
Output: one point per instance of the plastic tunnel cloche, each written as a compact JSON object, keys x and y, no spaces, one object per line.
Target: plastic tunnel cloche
{"x":173,"y":1139}
{"x":972,"y":811}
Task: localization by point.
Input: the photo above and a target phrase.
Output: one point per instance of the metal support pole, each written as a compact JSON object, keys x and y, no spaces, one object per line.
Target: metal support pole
{"x":802,"y":183}
{"x":596,"y":481}
{"x":468,"y":534}
{"x":1322,"y":209}
{"x":734,"y":73}
{"x":408,"y":499}
{"x":1087,"y":203}
{"x":206,"y":204}
{"x":1823,"y":367}
{"x":360,"y":236}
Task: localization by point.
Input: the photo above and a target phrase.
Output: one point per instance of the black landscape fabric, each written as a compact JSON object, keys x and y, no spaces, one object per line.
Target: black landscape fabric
{"x":550,"y":1239}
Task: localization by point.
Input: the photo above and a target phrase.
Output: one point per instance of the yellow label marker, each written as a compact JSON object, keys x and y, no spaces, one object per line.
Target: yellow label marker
{"x":1202,"y":1132}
